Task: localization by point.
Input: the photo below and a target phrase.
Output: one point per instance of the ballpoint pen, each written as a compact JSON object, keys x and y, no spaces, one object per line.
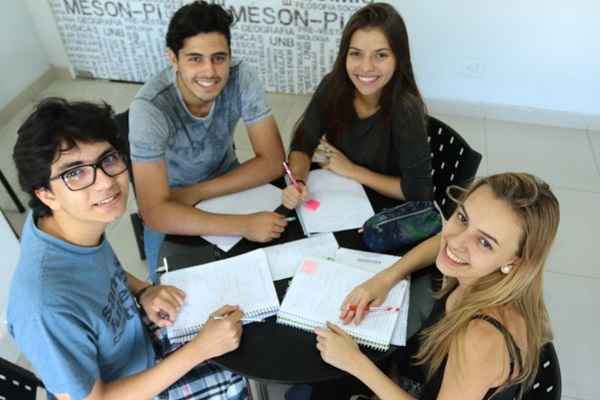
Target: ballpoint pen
{"x":244,"y":319}
{"x":353,"y":307}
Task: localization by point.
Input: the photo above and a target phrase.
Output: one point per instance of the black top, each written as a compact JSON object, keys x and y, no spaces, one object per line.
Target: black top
{"x":433,"y":386}
{"x":396,"y":148}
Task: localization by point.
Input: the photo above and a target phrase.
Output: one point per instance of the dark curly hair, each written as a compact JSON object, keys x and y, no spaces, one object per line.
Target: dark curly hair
{"x":54,"y":126}
{"x":194,"y":18}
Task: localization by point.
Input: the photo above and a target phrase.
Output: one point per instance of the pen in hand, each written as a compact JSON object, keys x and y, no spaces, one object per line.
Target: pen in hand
{"x":244,"y":319}
{"x":289,"y":174}
{"x":353,"y":307}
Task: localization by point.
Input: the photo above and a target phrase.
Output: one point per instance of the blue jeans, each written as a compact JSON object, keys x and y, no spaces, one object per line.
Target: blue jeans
{"x":153,"y":241}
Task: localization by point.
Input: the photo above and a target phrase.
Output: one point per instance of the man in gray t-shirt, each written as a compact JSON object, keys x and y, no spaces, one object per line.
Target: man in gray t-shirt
{"x":181,"y":135}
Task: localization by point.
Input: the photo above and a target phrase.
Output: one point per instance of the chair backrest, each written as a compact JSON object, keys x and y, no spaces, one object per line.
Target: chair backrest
{"x":453,"y":161}
{"x":17,"y":382}
{"x":547,"y":384}
{"x":122,"y":121}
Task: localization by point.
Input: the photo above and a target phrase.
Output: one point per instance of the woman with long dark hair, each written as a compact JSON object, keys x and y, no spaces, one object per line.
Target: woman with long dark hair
{"x":367,"y":117}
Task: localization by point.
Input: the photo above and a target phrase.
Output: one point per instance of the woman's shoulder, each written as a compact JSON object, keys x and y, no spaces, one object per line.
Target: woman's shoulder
{"x":409,"y":116}
{"x":513,"y":321}
{"x":510,"y":325}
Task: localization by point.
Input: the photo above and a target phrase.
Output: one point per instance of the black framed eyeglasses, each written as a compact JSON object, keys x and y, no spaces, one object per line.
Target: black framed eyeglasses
{"x":84,"y":176}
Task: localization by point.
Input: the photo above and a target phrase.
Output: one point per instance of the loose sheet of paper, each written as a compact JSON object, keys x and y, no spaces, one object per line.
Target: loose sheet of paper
{"x":285,"y":258}
{"x":261,"y":198}
{"x":343,"y":204}
{"x":375,"y":262}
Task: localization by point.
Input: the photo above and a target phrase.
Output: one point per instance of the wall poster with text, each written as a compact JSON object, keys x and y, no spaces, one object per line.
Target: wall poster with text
{"x":291,"y":43}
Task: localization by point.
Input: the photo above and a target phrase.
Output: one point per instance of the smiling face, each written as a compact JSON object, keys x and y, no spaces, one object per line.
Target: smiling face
{"x":97,"y":205}
{"x":370,"y":62}
{"x":481,"y":236}
{"x":202,"y":67}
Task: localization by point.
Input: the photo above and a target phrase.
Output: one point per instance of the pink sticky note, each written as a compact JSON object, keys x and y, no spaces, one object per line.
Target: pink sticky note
{"x":309,"y":267}
{"x":312,"y":204}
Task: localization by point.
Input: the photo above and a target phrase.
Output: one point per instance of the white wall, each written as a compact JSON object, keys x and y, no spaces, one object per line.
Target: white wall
{"x":536,"y":53}
{"x":47,"y":32}
{"x":10,"y":256}
{"x":23,"y":58}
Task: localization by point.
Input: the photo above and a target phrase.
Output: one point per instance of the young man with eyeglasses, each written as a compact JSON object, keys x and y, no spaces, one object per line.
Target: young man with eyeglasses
{"x":72,"y":309}
{"x":181,"y":134}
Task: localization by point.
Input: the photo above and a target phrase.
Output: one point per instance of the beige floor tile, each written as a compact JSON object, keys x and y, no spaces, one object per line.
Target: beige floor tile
{"x":560,"y":156}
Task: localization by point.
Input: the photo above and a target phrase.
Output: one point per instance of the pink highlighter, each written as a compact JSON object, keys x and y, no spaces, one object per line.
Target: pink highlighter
{"x":311,"y":204}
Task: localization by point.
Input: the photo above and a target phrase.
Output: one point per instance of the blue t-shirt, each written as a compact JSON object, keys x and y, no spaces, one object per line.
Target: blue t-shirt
{"x":72,"y":314}
{"x":195,"y":149}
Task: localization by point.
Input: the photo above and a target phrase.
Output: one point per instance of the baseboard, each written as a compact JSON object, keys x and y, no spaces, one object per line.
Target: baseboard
{"x":512,"y":113}
{"x":32,"y":91}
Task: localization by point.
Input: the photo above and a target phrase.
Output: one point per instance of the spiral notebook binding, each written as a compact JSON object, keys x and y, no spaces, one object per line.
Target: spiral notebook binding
{"x":183,"y":335}
{"x":309,"y":326}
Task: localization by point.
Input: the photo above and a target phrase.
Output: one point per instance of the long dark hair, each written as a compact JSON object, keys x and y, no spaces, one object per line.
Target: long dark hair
{"x":400,"y":94}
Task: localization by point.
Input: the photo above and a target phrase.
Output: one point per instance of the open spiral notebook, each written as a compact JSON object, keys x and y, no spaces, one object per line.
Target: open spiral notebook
{"x":316,"y":292}
{"x":244,"y":280}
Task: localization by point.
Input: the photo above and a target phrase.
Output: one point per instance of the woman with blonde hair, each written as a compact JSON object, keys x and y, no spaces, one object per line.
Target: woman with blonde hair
{"x":489,"y":323}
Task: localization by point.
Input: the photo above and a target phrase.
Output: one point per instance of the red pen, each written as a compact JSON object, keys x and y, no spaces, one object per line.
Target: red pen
{"x":353,"y":307}
{"x":289,"y":174}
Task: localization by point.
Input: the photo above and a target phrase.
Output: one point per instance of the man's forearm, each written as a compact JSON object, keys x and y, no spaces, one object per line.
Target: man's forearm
{"x":174,"y":218}
{"x":149,"y":383}
{"x":256,"y":171}
{"x":135,"y":284}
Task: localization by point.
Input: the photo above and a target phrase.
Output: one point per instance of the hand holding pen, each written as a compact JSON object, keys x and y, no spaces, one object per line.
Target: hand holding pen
{"x":364,"y":298}
{"x":296,"y":192}
{"x":162,"y":303}
{"x":222,"y":332}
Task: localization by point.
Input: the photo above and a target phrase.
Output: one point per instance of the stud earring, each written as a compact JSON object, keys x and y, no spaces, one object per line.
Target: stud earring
{"x":505,"y":269}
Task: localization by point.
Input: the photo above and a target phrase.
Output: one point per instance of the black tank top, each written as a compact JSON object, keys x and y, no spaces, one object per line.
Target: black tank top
{"x":433,"y":386}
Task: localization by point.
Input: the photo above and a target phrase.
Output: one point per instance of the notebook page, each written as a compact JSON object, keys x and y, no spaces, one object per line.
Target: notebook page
{"x":261,"y":198}
{"x":244,"y":280}
{"x":316,"y":293}
{"x":343,"y":204}
{"x":285,"y":258}
{"x":366,"y":260}
{"x":375,"y":262}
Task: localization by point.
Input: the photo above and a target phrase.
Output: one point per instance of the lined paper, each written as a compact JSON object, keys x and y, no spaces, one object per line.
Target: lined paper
{"x":261,"y":198}
{"x":285,"y":258}
{"x":343,"y":204}
{"x":316,"y":294}
{"x":244,"y":280}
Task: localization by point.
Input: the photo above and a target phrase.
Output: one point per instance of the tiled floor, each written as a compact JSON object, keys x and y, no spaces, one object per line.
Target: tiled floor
{"x":568,"y":159}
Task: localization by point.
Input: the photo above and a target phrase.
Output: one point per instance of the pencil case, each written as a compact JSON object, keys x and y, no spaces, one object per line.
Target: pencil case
{"x":401,"y":227}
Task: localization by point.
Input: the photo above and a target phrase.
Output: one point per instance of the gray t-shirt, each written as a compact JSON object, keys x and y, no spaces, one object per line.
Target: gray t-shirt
{"x":195,"y":149}
{"x":72,"y":314}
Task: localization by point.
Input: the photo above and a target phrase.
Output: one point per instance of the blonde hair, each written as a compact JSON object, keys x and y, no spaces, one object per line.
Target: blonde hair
{"x":537,"y":209}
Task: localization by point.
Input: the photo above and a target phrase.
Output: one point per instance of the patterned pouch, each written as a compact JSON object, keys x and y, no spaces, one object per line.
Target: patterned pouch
{"x":401,"y":226}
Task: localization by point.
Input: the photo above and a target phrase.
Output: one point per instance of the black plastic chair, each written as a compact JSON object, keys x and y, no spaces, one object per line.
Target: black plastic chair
{"x":548,"y":383}
{"x":17,"y":383}
{"x":11,"y":193}
{"x":137,"y":223}
{"x":453,"y":162}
